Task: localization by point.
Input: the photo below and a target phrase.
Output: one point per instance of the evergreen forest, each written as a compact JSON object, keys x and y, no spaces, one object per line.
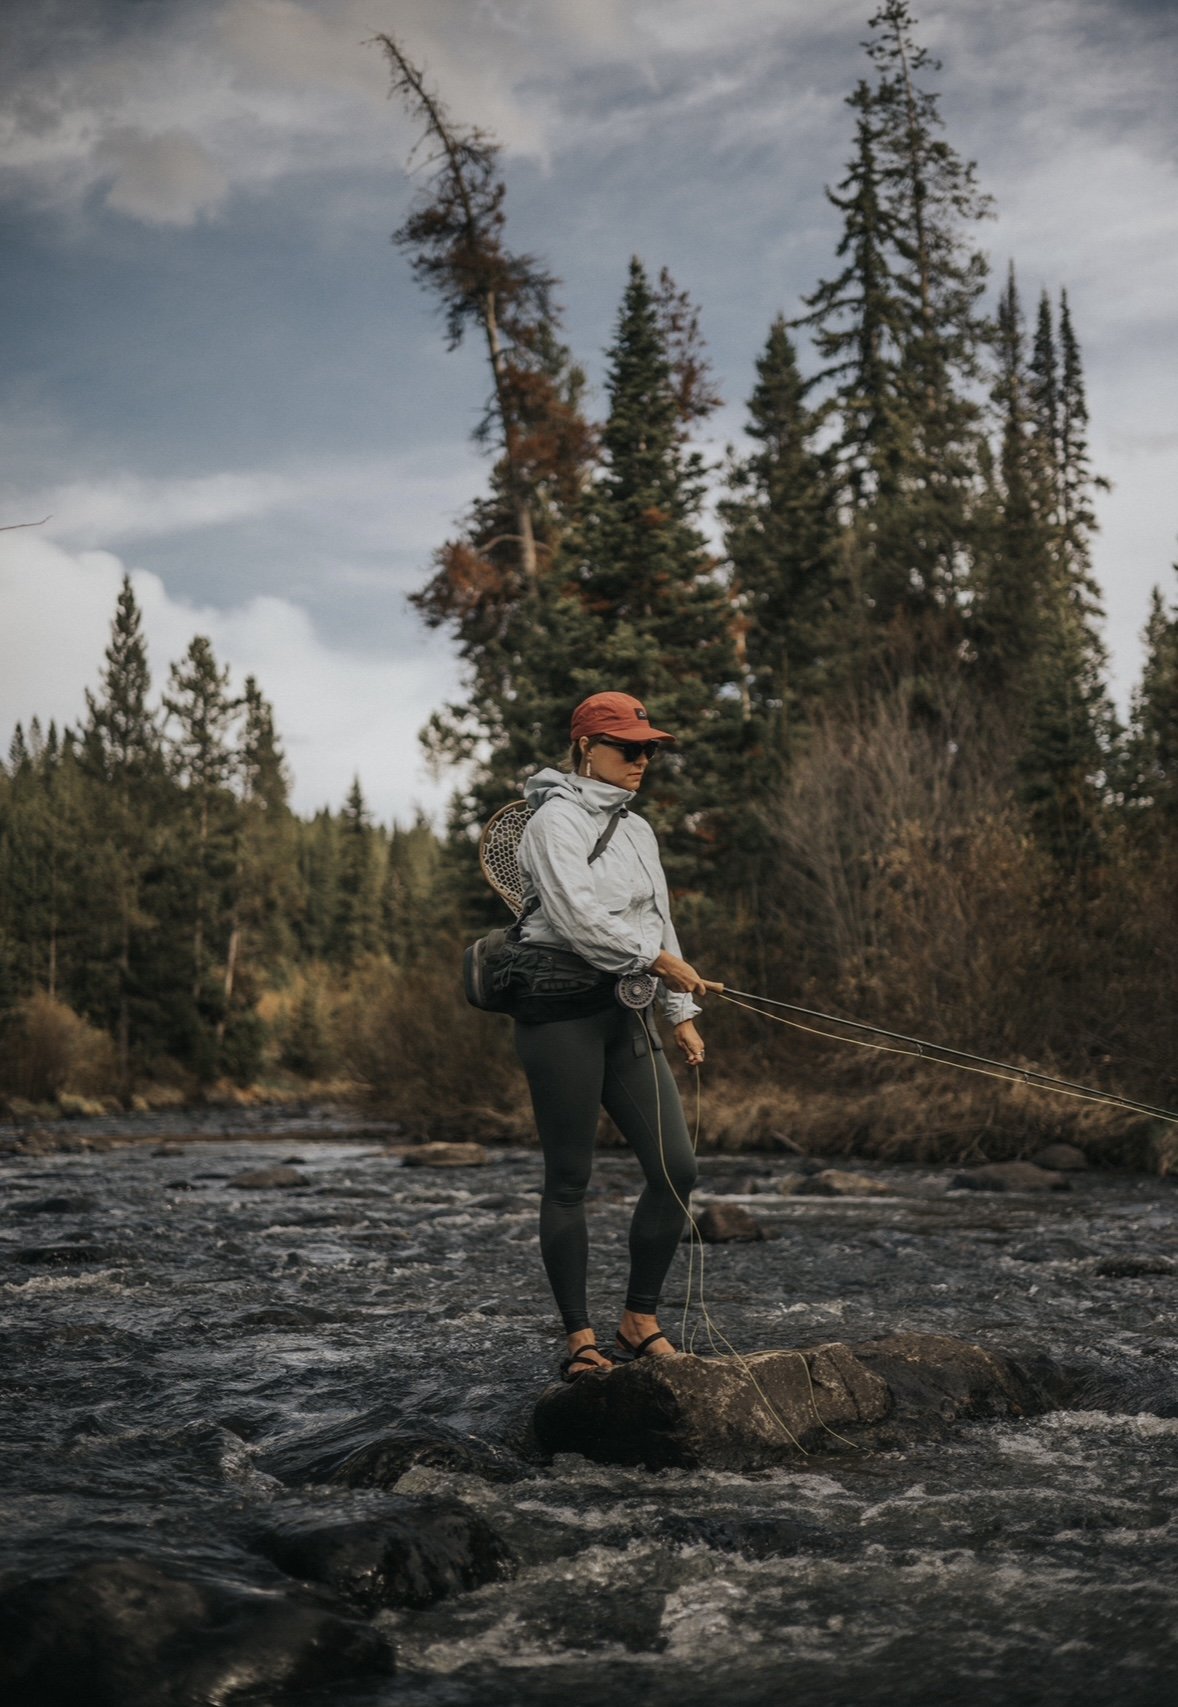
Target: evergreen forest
{"x":901,"y":792}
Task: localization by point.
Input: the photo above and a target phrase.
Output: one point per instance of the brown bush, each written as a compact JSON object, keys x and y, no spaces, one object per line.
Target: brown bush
{"x":426,"y":1056}
{"x":46,"y":1048}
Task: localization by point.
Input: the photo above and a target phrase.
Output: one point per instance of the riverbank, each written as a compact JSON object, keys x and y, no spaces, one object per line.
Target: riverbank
{"x":926,"y":1115}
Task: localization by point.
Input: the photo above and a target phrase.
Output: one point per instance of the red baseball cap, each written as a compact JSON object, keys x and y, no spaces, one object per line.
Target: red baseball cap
{"x":616,"y":714}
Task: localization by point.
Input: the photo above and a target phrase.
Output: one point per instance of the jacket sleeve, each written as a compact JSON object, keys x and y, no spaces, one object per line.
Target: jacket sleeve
{"x":675,"y":1005}
{"x":556,"y":859}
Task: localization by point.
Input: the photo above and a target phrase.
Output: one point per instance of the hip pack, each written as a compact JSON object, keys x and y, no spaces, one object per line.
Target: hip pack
{"x":531,"y":982}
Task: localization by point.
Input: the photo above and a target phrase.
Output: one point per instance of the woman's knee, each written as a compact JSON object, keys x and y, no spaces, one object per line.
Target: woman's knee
{"x":677,"y":1177}
{"x":566,"y":1185}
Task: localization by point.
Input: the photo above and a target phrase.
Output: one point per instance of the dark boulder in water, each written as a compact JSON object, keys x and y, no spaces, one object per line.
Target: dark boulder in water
{"x":724,"y":1223}
{"x":1009,"y":1176}
{"x":365,"y":1453}
{"x":739,"y":1413}
{"x":279,"y":1178}
{"x":57,"y":1206}
{"x":414,"y":1554}
{"x":1130,"y":1267}
{"x":125,"y":1632}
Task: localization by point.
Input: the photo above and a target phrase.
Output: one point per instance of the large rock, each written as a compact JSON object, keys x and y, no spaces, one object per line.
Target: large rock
{"x":724,"y":1223}
{"x":444,"y":1156}
{"x":128,"y":1633}
{"x":737,"y":1413}
{"x":1009,"y":1176}
{"x":413,"y":1555}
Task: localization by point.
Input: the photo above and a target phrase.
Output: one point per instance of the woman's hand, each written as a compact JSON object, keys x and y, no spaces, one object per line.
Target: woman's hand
{"x":678,"y":974}
{"x":688,"y":1039}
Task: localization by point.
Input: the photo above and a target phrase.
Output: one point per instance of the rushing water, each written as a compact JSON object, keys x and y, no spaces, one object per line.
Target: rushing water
{"x":174,"y":1340}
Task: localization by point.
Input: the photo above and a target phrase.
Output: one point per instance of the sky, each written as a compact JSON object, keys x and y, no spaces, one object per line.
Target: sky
{"x":218,"y":375}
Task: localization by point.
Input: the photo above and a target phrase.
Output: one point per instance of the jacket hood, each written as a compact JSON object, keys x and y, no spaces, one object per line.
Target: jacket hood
{"x":599,"y":799}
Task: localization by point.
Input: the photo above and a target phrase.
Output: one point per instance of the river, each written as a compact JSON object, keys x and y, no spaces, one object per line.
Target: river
{"x":174,"y":1340}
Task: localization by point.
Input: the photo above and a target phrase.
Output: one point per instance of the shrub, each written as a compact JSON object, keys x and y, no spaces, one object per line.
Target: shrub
{"x":46,"y":1048}
{"x":429,"y":1059}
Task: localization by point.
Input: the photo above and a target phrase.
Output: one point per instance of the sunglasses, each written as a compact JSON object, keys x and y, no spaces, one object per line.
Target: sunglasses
{"x":632,"y":751}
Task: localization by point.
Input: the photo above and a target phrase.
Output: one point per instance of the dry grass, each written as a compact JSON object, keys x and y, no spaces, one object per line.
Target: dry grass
{"x":928,"y":1114}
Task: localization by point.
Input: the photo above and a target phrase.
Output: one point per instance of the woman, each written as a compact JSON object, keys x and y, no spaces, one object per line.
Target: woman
{"x":614,"y":912}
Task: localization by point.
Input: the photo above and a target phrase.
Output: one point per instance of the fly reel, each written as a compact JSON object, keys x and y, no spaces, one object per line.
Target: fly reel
{"x":636,"y":990}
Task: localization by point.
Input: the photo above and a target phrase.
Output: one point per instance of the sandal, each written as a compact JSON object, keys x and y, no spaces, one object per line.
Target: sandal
{"x":569,"y":1370}
{"x":634,"y":1352}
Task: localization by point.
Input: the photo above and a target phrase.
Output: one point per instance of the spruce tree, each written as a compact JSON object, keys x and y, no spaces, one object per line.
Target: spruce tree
{"x":781,"y":536}
{"x":121,"y":756}
{"x":861,"y":322}
{"x":1012,"y":574}
{"x":356,"y":927}
{"x":1151,"y":759}
{"x":1071,"y":731}
{"x":647,"y":578}
{"x":201,"y":713}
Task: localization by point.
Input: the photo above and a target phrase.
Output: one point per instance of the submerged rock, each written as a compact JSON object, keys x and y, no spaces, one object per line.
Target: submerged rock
{"x":444,"y":1156}
{"x":279,"y":1178}
{"x":834,"y":1182}
{"x":738,"y":1413}
{"x":1127,"y":1267}
{"x":413,"y":1555}
{"x":1009,"y":1176}
{"x":721,"y":1223}
{"x":362,"y":1453}
{"x":127,"y":1633}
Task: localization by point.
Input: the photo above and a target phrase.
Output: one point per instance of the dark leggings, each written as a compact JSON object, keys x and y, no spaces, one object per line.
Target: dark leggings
{"x":574,"y":1068}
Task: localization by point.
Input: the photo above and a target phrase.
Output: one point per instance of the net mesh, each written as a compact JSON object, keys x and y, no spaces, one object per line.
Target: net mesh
{"x":498,"y":853}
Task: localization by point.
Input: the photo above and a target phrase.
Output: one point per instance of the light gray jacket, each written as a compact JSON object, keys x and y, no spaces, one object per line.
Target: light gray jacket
{"x":615,"y":913}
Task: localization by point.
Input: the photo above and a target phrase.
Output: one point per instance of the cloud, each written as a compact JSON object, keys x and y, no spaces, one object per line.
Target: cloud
{"x":339,"y":713}
{"x":165,"y":179}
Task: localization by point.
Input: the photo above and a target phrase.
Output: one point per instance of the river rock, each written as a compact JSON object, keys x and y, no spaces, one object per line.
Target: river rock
{"x":834,"y":1182}
{"x":65,"y":1255}
{"x":1062,"y":1158}
{"x":413,"y":1555}
{"x":444,"y":1156}
{"x":64,"y":1205}
{"x":722,"y":1223}
{"x":1009,"y":1176}
{"x":1129,"y":1267}
{"x":738,"y":1414}
{"x":363,"y":1452}
{"x":124,"y":1632}
{"x":268,"y":1179}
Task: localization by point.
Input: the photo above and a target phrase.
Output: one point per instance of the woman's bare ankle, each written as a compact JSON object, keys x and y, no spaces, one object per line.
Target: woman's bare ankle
{"x":635,"y":1328}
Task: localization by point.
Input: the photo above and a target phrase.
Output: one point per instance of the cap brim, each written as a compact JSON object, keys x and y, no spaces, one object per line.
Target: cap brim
{"x":638,"y":732}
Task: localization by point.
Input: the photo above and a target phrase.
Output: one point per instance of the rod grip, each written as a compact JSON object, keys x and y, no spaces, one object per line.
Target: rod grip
{"x":708,"y":985}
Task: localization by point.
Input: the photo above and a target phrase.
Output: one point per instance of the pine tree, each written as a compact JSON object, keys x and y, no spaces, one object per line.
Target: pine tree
{"x":266,"y":896}
{"x":861,"y":321}
{"x":1071,"y":729}
{"x":499,"y":586}
{"x":1151,"y":760}
{"x":1013,"y":569}
{"x":645,"y":574}
{"x":201,"y":713}
{"x":120,"y":754}
{"x":781,"y":537}
{"x":356,"y":928}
